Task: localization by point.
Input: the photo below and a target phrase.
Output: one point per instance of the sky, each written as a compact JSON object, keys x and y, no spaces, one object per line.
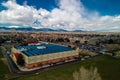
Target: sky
{"x":88,"y":15}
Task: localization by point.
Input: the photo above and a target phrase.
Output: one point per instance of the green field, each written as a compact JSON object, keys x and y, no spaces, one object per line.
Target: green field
{"x":108,"y":67}
{"x":4,"y":72}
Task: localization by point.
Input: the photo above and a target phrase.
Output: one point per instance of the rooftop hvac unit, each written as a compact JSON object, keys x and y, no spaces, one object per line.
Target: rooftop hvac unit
{"x":41,"y":47}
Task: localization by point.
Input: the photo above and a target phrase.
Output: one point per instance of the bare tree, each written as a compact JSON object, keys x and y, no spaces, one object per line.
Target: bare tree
{"x":85,"y":74}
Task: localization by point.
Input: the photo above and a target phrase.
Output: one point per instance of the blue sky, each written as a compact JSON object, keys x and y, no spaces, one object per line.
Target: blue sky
{"x":104,"y":7}
{"x":45,"y":4}
{"x":63,"y":14}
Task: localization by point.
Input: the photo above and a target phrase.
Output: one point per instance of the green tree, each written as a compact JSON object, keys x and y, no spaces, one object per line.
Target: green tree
{"x":67,"y":40}
{"x":85,"y":74}
{"x":97,"y":43}
{"x":77,"y":41}
{"x":86,"y":42}
{"x":60,"y":39}
{"x":20,"y":60}
{"x":110,"y":41}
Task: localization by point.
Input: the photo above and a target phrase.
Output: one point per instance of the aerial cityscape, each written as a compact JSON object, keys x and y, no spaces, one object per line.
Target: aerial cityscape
{"x":59,"y":40}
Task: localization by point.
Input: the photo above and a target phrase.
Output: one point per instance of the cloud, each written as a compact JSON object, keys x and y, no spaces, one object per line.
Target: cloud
{"x":70,"y":15}
{"x":17,"y":14}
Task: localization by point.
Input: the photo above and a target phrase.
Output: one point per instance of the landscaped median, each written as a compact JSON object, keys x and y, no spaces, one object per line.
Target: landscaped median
{"x":117,"y":53}
{"x":113,"y":49}
{"x":86,"y":53}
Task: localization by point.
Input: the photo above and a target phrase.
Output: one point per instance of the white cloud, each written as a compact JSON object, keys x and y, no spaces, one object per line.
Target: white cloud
{"x":70,"y":15}
{"x":17,"y":14}
{"x":13,"y":26}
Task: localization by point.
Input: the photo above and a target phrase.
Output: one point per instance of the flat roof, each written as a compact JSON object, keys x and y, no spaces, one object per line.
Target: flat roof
{"x":43,"y":48}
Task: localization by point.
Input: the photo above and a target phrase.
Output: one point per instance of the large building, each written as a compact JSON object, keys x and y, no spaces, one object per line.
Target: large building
{"x":43,"y":54}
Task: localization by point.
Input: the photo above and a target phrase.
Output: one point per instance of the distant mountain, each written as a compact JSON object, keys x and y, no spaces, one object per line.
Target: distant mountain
{"x":39,"y":30}
{"x":33,"y":29}
{"x":45,"y":30}
{"x":17,"y":29}
{"x":78,"y":31}
{"x":4,"y":28}
{"x":61,"y":30}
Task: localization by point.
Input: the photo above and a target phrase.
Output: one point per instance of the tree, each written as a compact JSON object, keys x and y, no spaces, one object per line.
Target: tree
{"x":52,"y":40}
{"x":85,"y":74}
{"x":60,"y":40}
{"x":110,"y":41}
{"x":20,"y":60}
{"x":86,"y":42}
{"x":97,"y":43}
{"x":67,"y":40}
{"x":48,"y":39}
{"x":77,"y":41}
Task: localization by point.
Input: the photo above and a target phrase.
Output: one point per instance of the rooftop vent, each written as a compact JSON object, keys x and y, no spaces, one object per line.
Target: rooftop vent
{"x":41,"y":47}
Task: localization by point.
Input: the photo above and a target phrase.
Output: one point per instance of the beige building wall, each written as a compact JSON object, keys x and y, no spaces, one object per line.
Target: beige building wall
{"x":45,"y":57}
{"x":14,"y":50}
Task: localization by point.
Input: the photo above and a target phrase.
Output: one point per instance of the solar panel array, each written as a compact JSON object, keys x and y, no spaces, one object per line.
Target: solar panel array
{"x":32,"y":50}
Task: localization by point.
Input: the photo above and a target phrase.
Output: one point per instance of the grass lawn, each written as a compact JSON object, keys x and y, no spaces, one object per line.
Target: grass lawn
{"x":108,"y":67}
{"x":4,"y":71}
{"x":3,"y":68}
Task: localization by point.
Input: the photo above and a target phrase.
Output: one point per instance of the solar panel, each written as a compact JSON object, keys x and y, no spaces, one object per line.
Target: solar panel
{"x":32,"y":50}
{"x":27,"y":53}
{"x":34,"y":53}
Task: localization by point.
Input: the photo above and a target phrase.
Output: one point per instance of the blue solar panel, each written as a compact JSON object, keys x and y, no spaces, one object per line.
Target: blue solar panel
{"x":28,"y":54}
{"x":32,"y":50}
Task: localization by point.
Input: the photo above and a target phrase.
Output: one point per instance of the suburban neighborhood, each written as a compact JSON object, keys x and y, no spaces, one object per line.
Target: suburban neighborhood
{"x":59,"y":39}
